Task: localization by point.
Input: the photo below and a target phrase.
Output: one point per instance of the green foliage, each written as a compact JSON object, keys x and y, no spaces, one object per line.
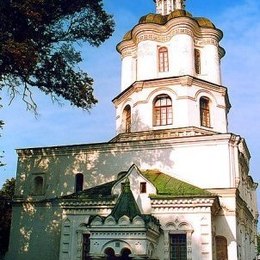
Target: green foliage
{"x":6,"y":196}
{"x":37,"y":47}
{"x":8,"y":188}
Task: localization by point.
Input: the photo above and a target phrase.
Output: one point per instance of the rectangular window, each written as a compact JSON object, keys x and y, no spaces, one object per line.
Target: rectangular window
{"x":122,"y":186}
{"x":142,"y":187}
{"x":86,"y":247}
{"x":197,"y":61}
{"x":178,"y":247}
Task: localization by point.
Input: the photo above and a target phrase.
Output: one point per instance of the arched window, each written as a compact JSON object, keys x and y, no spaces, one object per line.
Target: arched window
{"x":125,"y":253}
{"x":163,"y":59}
{"x":205,"y":111}
{"x":79,"y":178}
{"x":127,"y":119}
{"x":110,"y":253}
{"x":38,"y":185}
{"x":221,"y":248}
{"x":162,"y":110}
{"x":197,"y":61}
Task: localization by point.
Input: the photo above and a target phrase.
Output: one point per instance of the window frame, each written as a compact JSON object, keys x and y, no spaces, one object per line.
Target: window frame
{"x":38,"y":191}
{"x":127,"y":118}
{"x":163,"y":59}
{"x":205,"y":113}
{"x":197,"y":61}
{"x":180,"y":245}
{"x":178,"y":227}
{"x":162,"y":112}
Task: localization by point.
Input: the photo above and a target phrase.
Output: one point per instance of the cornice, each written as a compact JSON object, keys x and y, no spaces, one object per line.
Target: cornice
{"x":203,"y":204}
{"x":182,"y":81}
{"x":135,"y":141}
{"x":190,"y":201}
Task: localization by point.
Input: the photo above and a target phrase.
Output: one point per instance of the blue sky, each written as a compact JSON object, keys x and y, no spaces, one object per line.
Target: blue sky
{"x":59,"y":125}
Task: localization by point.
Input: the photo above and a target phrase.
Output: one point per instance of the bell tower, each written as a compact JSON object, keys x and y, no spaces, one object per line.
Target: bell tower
{"x":165,"y":7}
{"x":171,"y":76}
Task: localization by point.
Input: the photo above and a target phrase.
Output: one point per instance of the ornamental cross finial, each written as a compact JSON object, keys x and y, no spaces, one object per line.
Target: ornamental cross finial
{"x":164,"y":7}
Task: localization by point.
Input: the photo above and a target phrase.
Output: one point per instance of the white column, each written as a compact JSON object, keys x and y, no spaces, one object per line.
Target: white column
{"x":178,"y":4}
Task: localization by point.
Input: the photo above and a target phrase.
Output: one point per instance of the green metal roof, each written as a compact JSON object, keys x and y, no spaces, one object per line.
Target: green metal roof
{"x":126,"y":204}
{"x":164,"y":184}
{"x":167,"y":185}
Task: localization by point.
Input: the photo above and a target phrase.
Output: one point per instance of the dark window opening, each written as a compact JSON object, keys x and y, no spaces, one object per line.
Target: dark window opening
{"x":86,"y":247}
{"x":178,"y":247}
{"x":79,"y":178}
{"x":110,"y":253}
{"x":204,"y":112}
{"x":127,"y":119}
{"x":142,"y":187}
{"x":38,"y":185}
{"x":125,"y":253}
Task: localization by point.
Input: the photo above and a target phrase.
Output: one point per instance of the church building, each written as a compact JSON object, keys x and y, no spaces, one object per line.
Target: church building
{"x":173,"y":184}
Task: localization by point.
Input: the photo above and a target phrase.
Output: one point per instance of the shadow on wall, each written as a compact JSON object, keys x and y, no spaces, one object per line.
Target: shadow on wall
{"x":47,"y":173}
{"x":131,"y":122}
{"x":35,"y":231}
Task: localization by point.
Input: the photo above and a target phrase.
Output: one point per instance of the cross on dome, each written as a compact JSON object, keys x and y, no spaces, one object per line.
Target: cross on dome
{"x":164,"y":7}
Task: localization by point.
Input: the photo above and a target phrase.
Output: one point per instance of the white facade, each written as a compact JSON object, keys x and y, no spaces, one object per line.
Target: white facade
{"x":186,"y":176}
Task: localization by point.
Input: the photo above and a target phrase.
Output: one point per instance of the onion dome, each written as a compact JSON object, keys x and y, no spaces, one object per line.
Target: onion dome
{"x":163,"y":19}
{"x":204,"y":22}
{"x":178,"y":13}
{"x":128,"y":36}
{"x":153,"y":18}
{"x":159,"y":19}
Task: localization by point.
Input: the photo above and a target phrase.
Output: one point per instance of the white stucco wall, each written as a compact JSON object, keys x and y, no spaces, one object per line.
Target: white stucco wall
{"x":185,"y":105}
{"x":203,"y":161}
{"x":181,"y":36}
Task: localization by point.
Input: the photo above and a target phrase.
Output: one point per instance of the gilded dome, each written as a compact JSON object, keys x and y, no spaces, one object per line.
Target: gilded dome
{"x":178,"y":13}
{"x":204,"y":22}
{"x":153,"y":18}
{"x":163,"y":19}
{"x":128,"y":36}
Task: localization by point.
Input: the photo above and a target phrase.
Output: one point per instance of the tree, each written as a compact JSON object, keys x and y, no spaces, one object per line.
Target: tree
{"x":38,"y":47}
{"x":6,"y":196}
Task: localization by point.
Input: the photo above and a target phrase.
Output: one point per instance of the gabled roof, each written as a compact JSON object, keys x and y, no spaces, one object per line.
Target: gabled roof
{"x":164,"y":184}
{"x":98,"y":192}
{"x":167,"y":185}
{"x":126,"y":204}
